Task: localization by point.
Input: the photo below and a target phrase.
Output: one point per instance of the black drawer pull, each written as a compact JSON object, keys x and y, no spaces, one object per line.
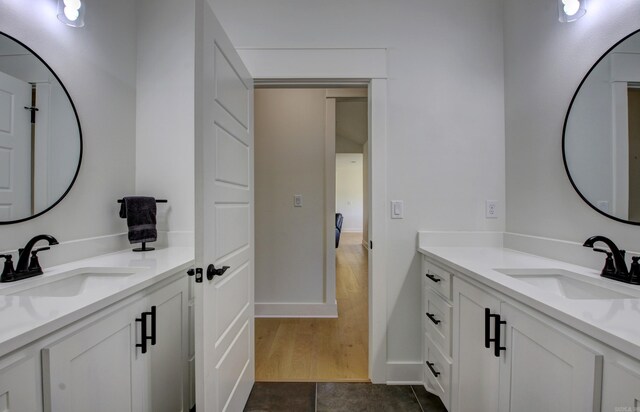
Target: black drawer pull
{"x":433,"y":318}
{"x":435,"y":372}
{"x":435,"y":279}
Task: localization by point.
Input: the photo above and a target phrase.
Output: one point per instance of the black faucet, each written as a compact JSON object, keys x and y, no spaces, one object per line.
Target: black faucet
{"x":26,"y":267}
{"x":615,"y":266}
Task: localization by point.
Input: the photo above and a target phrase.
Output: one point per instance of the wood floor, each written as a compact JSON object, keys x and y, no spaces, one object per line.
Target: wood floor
{"x":322,"y":350}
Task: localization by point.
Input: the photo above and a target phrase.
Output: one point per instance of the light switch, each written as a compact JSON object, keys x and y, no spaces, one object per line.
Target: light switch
{"x":397,"y":209}
{"x":297,"y":200}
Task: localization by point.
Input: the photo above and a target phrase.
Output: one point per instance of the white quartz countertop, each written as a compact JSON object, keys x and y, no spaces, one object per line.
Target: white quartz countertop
{"x":615,"y":322}
{"x":25,"y":318}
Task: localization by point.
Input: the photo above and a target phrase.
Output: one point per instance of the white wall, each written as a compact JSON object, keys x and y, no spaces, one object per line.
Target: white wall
{"x":349,"y":190}
{"x":289,"y":160}
{"x":97,"y":64}
{"x":544,"y":63}
{"x":445,"y":114}
{"x":165,"y":109}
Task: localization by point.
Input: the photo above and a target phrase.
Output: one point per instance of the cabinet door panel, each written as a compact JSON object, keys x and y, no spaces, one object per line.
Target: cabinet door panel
{"x":621,"y":388}
{"x":476,"y":369}
{"x":546,"y":368}
{"x":166,"y":361}
{"x":20,"y":388}
{"x":94,"y":369}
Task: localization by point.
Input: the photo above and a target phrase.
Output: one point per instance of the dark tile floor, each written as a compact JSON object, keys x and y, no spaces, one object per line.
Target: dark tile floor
{"x":340,"y":397}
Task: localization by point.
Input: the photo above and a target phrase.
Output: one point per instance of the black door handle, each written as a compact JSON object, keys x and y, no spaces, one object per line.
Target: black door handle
{"x":435,"y":279}
{"x":433,"y":318}
{"x":212,"y":271}
{"x":191,"y":272}
{"x":431,"y":365}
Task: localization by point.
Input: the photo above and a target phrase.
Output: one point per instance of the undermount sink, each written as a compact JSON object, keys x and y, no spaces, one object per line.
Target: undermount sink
{"x":73,"y":283}
{"x":568,"y":284}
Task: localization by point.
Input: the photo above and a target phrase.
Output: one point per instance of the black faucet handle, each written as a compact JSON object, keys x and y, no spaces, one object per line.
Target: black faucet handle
{"x":634,"y":271}
{"x":34,"y":263}
{"x":8,"y":271}
{"x":609,"y":268}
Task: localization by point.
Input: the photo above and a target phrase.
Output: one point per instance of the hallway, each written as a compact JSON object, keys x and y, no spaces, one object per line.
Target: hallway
{"x":321,"y":350}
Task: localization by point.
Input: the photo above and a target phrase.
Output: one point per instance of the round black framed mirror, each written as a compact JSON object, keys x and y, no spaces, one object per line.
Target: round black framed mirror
{"x":40,"y":135}
{"x":601,"y":133}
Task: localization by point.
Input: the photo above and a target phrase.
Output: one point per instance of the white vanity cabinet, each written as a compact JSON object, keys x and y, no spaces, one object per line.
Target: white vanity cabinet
{"x":20,"y":383}
{"x":509,"y":360}
{"x":133,"y":359}
{"x":486,"y":352}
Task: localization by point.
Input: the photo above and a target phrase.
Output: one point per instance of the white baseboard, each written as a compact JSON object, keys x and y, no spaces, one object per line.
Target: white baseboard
{"x":404,"y":373}
{"x":296,"y":310}
{"x":463,"y":239}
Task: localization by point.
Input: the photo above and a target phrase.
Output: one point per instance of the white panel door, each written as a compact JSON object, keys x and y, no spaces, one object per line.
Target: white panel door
{"x":544,"y":369}
{"x":15,"y":148}
{"x":224,"y":221}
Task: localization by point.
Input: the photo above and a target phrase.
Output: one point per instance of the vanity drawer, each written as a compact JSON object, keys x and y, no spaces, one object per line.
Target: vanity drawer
{"x":437,"y":320}
{"x":437,"y":364}
{"x":436,"y":278}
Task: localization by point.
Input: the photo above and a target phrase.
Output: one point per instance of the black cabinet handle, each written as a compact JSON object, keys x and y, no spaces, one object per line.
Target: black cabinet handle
{"x":433,"y":318}
{"x":496,"y":343}
{"x":435,"y":372}
{"x":153,"y":325}
{"x":435,"y":279}
{"x":144,"y":337}
{"x":143,"y":332}
{"x":487,"y":328}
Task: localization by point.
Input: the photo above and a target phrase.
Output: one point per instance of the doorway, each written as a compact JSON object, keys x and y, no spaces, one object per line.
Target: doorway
{"x":311,"y":298}
{"x":634,"y":152}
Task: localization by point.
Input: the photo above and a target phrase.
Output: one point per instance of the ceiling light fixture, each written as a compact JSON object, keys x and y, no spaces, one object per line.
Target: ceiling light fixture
{"x":71,"y":12}
{"x":571,"y":10}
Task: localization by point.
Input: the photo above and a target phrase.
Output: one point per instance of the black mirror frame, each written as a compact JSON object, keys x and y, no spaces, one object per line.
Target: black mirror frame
{"x":564,"y":132}
{"x":75,"y":112}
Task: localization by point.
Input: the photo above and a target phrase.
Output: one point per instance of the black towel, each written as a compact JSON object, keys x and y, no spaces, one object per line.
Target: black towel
{"x":140,"y":212}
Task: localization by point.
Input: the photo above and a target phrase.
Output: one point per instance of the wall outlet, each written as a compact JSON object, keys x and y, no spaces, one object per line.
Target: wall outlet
{"x":491,"y":209}
{"x":297,"y":200}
